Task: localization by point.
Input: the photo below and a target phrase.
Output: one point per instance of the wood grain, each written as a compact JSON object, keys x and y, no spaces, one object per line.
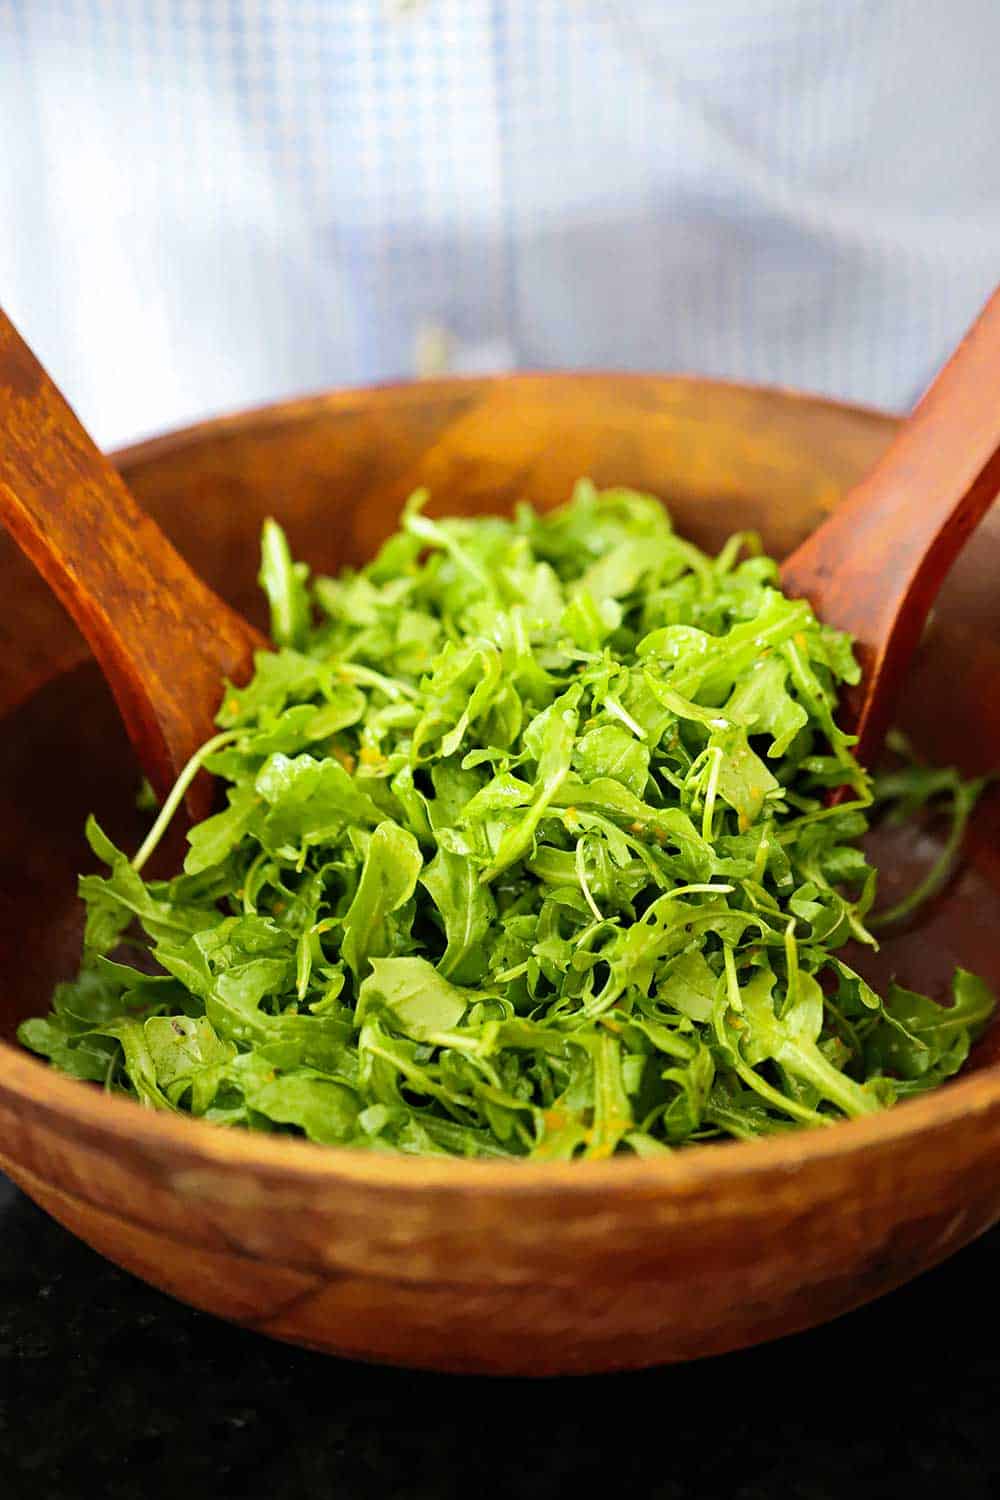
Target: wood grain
{"x":463,"y":1265}
{"x":163,"y":639}
{"x":875,"y":567}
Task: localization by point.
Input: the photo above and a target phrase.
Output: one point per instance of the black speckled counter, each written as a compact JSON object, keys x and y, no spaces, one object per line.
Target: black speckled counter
{"x":111,"y":1389}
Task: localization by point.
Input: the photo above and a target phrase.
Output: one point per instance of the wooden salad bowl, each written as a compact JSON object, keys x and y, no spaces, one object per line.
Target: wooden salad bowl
{"x":536,"y":1268}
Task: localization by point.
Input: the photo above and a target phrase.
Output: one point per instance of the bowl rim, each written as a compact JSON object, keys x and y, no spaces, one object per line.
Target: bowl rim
{"x":69,"y":1105}
{"x":231,"y":420}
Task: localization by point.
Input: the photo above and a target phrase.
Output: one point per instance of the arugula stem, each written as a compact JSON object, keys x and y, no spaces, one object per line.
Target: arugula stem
{"x":176,"y":794}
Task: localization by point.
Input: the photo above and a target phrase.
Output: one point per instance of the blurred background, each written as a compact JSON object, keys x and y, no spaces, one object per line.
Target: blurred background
{"x":209,"y":203}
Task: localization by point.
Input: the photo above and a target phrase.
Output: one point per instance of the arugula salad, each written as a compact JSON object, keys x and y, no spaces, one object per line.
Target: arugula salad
{"x":527,"y":851}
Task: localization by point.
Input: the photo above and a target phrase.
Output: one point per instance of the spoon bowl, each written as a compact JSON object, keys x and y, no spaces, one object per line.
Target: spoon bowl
{"x":138,"y":604}
{"x":535,"y":1268}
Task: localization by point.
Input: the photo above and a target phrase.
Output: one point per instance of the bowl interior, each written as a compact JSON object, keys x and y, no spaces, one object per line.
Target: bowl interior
{"x":336,"y":469}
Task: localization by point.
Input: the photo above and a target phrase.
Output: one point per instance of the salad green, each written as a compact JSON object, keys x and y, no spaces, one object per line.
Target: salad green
{"x":527,"y":851}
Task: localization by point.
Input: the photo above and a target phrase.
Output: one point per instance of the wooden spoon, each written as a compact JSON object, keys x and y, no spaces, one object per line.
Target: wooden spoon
{"x":162,"y":638}
{"x":875,"y":567}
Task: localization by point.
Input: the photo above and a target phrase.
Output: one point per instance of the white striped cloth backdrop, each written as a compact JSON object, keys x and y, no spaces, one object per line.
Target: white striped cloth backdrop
{"x":205,"y":203}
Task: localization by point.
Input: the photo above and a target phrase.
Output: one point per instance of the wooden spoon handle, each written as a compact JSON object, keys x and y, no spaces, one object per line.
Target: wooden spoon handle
{"x":163,"y":639}
{"x":875,"y":567}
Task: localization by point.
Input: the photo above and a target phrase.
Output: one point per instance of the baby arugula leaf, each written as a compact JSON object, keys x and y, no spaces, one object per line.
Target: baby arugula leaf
{"x":388,"y":878}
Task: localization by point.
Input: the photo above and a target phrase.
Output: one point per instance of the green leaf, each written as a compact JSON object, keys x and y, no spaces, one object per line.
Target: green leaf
{"x":81,"y":1056}
{"x":214,"y":839}
{"x":280,"y":677}
{"x":552,"y":746}
{"x":190,"y":1059}
{"x":113,"y":901}
{"x":743,"y":780}
{"x":612,"y":1114}
{"x":309,"y":802}
{"x":466,"y":909}
{"x":323,"y":1109}
{"x":922,"y":1042}
{"x":763,"y":704}
{"x":392,"y":864}
{"x":284,"y":582}
{"x":790,"y":1039}
{"x":344,"y":706}
{"x":181,"y":1047}
{"x":139,"y":1065}
{"x":689,"y":986}
{"x":614,"y":752}
{"x":413,"y":997}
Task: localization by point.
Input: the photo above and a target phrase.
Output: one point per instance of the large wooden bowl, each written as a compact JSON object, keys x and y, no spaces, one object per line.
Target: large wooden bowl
{"x":481,"y":1266}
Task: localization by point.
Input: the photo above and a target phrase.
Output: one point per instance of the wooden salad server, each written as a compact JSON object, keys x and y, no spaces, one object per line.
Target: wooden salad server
{"x":162,"y":638}
{"x":875,"y":567}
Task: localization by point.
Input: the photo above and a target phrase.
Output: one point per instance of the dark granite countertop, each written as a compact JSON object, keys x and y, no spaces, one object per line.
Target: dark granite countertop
{"x":109,"y":1388}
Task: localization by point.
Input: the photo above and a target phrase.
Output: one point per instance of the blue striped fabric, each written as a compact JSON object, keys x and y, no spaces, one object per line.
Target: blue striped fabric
{"x":210,"y":202}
